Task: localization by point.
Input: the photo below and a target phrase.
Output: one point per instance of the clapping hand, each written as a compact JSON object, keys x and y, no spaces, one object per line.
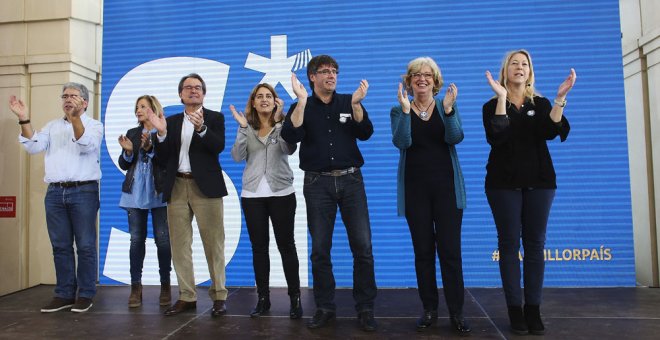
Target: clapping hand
{"x":239,"y":116}
{"x":279,"y":105}
{"x":567,"y":85}
{"x":450,"y":97}
{"x":126,"y":144}
{"x":403,"y":99}
{"x":18,"y":108}
{"x":499,"y":90}
{"x":360,"y":93}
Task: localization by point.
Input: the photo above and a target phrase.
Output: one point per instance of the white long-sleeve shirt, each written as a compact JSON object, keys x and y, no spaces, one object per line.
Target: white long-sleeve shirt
{"x":68,"y":159}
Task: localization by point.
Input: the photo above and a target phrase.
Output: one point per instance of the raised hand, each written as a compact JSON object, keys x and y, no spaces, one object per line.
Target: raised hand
{"x":239,"y":117}
{"x":146,"y":141}
{"x":499,"y":90}
{"x":126,"y":144}
{"x":18,"y":108}
{"x":450,"y":97}
{"x":360,"y":93}
{"x":403,"y":99}
{"x":567,"y":85}
{"x":158,"y":121}
{"x":298,"y":88}
{"x":79,"y":103}
{"x":197,"y":120}
{"x":279,"y":104}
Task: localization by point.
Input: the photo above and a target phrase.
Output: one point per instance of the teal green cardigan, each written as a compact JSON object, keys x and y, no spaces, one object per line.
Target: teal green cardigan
{"x":402,"y":140}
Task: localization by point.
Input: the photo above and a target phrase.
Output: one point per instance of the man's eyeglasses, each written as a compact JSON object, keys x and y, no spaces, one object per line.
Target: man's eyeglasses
{"x":67,"y":96}
{"x":418,"y":75}
{"x":190,"y":88}
{"x":326,"y":72}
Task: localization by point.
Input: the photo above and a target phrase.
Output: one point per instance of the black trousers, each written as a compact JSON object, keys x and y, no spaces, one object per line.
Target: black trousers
{"x":281,"y":211}
{"x":435,"y":227}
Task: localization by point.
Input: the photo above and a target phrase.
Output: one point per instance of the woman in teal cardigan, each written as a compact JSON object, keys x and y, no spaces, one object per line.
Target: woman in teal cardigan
{"x":430,"y":187}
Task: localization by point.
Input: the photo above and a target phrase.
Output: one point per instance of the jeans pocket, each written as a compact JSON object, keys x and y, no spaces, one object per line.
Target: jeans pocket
{"x":311,"y":178}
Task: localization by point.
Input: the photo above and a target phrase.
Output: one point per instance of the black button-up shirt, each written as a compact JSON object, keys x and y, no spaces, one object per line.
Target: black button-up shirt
{"x":328,"y":135}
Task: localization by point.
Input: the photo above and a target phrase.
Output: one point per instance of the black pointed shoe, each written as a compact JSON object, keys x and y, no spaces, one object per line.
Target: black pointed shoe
{"x":367,"y":321}
{"x":459,"y":324}
{"x":517,"y":320}
{"x":427,"y":319}
{"x":296,"y":310}
{"x":263,"y":305}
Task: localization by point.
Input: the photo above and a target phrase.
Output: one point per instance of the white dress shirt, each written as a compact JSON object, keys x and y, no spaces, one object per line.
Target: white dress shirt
{"x":67,"y":159}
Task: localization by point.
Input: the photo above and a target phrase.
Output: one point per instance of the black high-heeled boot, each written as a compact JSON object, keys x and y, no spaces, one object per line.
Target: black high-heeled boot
{"x":533,"y":319}
{"x":263,"y":305}
{"x":517,"y":320}
{"x":296,"y":310}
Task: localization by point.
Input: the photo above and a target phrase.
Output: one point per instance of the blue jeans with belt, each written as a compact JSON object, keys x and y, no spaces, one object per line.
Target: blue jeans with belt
{"x":323,"y":194}
{"x":71,"y":217}
{"x":137,"y":226}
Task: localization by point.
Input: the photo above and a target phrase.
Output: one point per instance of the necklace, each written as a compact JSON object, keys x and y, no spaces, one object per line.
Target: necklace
{"x":424,"y":115}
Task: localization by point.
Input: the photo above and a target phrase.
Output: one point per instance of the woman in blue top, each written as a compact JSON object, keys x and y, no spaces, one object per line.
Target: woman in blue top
{"x":430,"y":189}
{"x":141,"y":193}
{"x":268,"y":191}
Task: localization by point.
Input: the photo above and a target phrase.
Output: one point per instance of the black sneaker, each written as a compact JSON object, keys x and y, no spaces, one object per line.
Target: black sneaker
{"x":57,"y":304}
{"x":81,"y":305}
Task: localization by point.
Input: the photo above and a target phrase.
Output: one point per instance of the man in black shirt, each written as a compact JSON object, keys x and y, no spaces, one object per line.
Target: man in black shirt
{"x":328,"y":125}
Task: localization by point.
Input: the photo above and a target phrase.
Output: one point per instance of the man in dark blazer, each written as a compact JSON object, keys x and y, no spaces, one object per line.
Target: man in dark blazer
{"x":188,"y":147}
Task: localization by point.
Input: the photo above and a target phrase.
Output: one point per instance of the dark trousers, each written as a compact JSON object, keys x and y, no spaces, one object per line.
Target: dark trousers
{"x":137,"y":226}
{"x":435,"y":227}
{"x":281,"y":211}
{"x":322,"y":196}
{"x":521,"y":213}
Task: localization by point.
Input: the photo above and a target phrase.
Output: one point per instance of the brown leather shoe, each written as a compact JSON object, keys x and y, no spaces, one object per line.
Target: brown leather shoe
{"x":180,"y":306}
{"x":135,"y":299}
{"x":219,"y":308}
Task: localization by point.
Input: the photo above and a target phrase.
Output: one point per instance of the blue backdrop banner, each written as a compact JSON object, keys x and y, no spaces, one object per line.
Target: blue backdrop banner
{"x":148,"y":45}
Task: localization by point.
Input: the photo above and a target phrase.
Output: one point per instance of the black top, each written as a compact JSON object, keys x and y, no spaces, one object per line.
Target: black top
{"x":328,"y":134}
{"x":519,"y":156}
{"x":428,"y":155}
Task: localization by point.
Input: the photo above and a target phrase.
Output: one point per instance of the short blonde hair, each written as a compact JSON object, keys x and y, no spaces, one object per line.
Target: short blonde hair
{"x":530,"y":91}
{"x":153,"y":102}
{"x":416,"y":65}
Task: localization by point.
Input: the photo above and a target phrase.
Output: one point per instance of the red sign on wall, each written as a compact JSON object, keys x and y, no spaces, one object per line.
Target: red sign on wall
{"x":7,"y":206}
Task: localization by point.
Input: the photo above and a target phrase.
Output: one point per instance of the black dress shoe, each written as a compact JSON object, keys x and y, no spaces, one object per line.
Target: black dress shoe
{"x":459,"y":324}
{"x":219,"y":308}
{"x":263,"y":305}
{"x":320,"y":319}
{"x":180,"y":306}
{"x":427,"y":319}
{"x":367,"y":321}
{"x":517,"y":321}
{"x":296,"y":311}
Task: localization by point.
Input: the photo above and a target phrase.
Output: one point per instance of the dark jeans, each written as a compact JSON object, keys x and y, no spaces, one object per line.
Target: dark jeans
{"x":322,"y":196}
{"x":521,"y":213}
{"x":282,"y":212}
{"x":71,"y":217}
{"x":137,"y":226}
{"x":435,"y":228}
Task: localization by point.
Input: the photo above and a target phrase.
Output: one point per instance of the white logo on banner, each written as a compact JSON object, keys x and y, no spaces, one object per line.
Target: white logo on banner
{"x":278,"y":68}
{"x":160,"y":78}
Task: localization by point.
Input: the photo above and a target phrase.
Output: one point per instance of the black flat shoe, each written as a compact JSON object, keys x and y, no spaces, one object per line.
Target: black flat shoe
{"x":320,"y":319}
{"x":296,"y":311}
{"x":427,"y":319}
{"x":460,"y":325}
{"x":263,"y":305}
{"x":533,"y":319}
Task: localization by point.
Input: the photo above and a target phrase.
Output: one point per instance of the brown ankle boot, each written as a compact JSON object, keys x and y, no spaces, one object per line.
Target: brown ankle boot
{"x":135,"y":300}
{"x":165,"y":294}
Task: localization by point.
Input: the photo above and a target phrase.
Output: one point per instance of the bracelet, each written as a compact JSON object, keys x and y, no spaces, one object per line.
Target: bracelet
{"x":560,"y":103}
{"x":22,"y":122}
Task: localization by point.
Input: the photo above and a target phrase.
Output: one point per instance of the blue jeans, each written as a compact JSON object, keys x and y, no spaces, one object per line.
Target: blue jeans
{"x":521,"y":213}
{"x":322,"y":196}
{"x":71,"y":217}
{"x":137,"y":226}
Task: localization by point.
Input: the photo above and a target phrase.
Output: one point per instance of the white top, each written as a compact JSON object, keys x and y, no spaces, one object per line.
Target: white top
{"x":67,"y":159}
